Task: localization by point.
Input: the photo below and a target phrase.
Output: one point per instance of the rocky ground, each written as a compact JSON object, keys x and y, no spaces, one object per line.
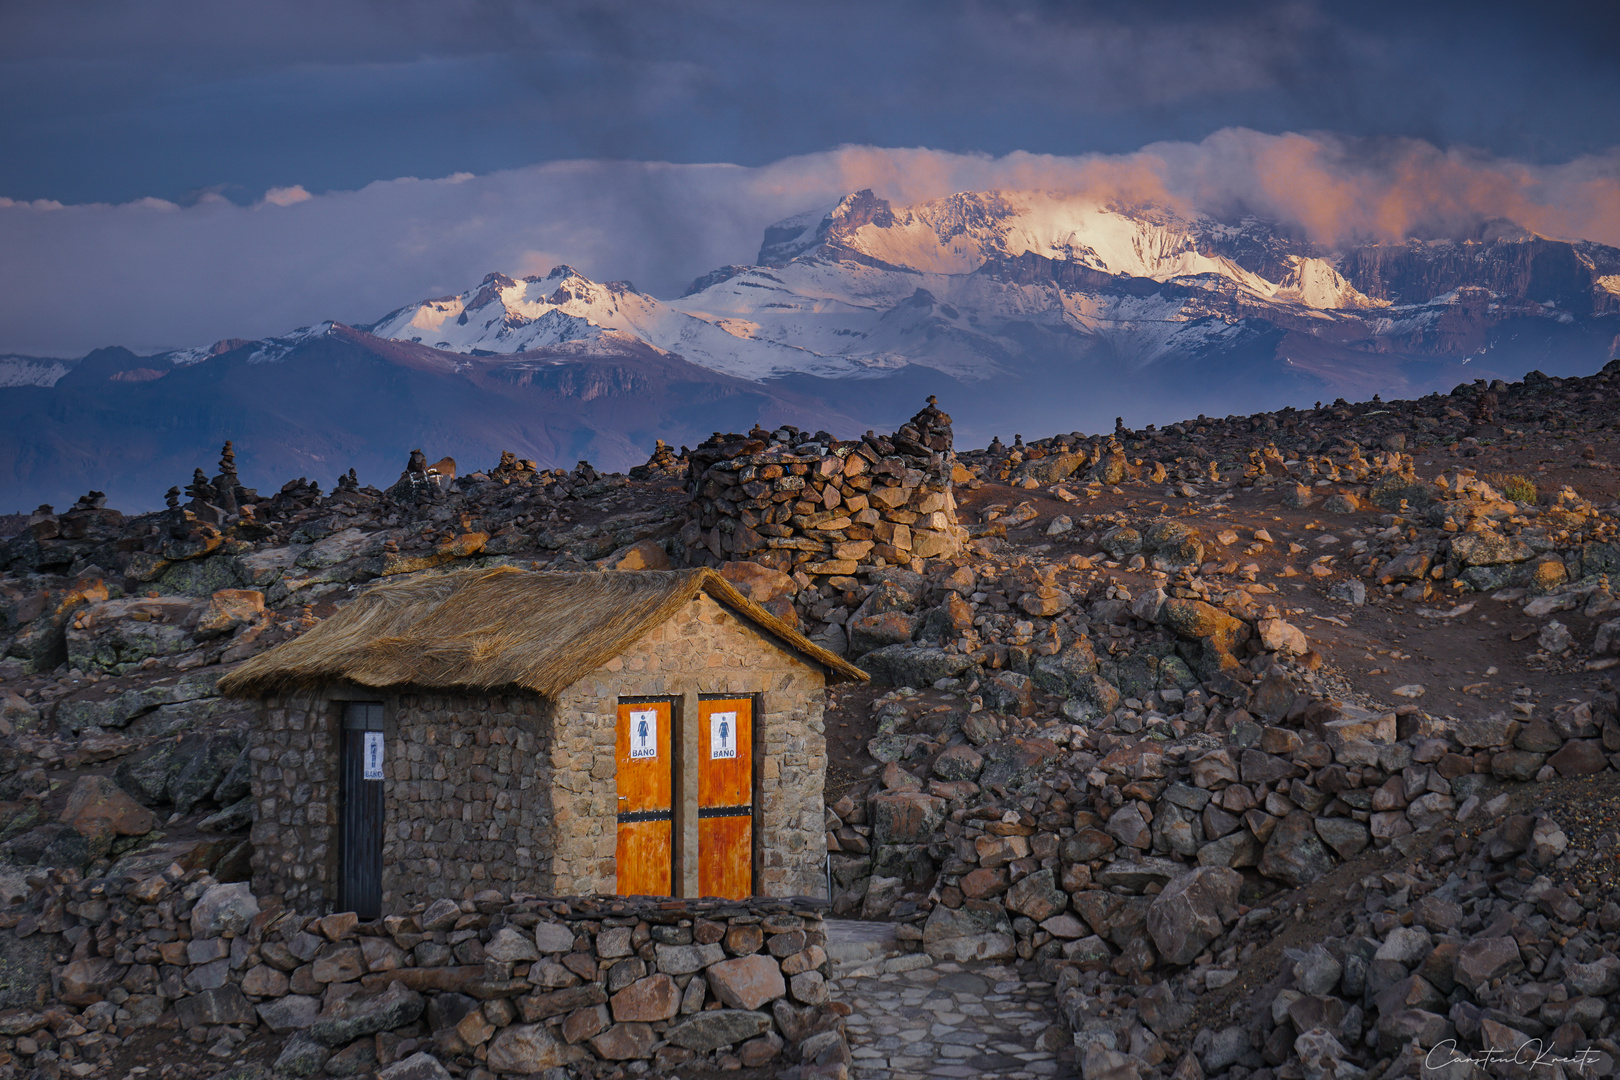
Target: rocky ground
{"x":1332,"y":681}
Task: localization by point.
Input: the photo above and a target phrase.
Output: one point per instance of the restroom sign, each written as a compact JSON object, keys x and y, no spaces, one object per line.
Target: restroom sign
{"x":643,"y":734}
{"x":723,"y":735}
{"x":374,"y":755}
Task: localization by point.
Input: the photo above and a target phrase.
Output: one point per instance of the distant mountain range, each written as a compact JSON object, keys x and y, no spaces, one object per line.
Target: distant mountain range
{"x":1025,"y":312}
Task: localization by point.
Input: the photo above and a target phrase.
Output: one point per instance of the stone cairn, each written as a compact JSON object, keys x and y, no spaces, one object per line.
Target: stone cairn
{"x":822,"y":506}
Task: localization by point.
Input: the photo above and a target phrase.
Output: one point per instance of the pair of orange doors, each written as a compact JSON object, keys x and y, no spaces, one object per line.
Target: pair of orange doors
{"x":646,"y":797}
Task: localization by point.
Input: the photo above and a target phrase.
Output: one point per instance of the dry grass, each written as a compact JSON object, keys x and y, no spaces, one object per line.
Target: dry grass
{"x":488,"y":629}
{"x":1519,"y":488}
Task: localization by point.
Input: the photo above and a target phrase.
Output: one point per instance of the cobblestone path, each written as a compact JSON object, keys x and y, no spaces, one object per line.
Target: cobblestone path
{"x":914,"y":1017}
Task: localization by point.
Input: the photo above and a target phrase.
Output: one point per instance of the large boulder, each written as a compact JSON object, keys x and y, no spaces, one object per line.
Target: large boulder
{"x":224,"y":909}
{"x":221,"y":1005}
{"x":368,"y":1013}
{"x":97,"y":803}
{"x":1063,"y":673}
{"x":1294,"y":853}
{"x":715,"y":1028}
{"x":1215,"y":636}
{"x":746,"y":982}
{"x":75,"y":714}
{"x":1175,"y":545}
{"x":116,"y":635}
{"x":1192,"y":911}
{"x":905,"y":817}
{"x":884,"y":628}
{"x":200,"y":577}
{"x":146,"y":775}
{"x":759,"y":583}
{"x":419,"y":1066}
{"x":200,"y":775}
{"x":978,"y":930}
{"x":526,"y":1048}
{"x":85,"y":982}
{"x":228,"y":609}
{"x":1488,"y":549}
{"x":913,"y":665}
{"x":1037,"y":896}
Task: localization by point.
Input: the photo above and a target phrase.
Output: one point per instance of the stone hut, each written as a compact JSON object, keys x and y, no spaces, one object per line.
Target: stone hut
{"x":651,"y":733}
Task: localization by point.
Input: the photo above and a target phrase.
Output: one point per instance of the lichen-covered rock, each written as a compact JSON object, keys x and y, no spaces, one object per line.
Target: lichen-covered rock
{"x":368,"y":1013}
{"x":116,"y":635}
{"x":913,"y":665}
{"x":978,"y":930}
{"x":224,"y":909}
{"x":526,"y":1048}
{"x":713,"y":1029}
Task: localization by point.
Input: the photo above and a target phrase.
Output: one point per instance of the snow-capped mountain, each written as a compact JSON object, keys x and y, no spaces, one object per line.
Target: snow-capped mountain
{"x":837,"y":293}
{"x":31,"y":370}
{"x":1024,"y":311}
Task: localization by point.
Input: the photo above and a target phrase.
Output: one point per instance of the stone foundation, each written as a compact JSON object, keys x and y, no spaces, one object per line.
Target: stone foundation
{"x":507,"y":982}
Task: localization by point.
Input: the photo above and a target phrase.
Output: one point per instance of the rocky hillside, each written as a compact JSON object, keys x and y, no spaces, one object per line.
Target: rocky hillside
{"x":1184,"y":692}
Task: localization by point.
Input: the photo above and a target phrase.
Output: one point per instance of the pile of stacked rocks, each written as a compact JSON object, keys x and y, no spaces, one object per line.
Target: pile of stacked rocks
{"x":1053,"y":843}
{"x":493,"y":984}
{"x":827,"y":508}
{"x":1015,"y":627}
{"x":664,"y":464}
{"x":1485,"y":952}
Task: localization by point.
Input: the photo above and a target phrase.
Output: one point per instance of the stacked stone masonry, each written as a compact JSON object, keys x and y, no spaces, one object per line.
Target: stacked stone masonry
{"x":518,"y":791}
{"x":1079,"y":862}
{"x":822,"y":506}
{"x":507,"y":982}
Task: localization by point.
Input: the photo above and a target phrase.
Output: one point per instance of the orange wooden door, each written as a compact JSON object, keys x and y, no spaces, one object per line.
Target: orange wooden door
{"x":646,"y":803}
{"x":726,"y":798}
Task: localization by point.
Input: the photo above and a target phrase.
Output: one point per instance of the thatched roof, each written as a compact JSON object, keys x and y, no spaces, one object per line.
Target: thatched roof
{"x":487,"y":629}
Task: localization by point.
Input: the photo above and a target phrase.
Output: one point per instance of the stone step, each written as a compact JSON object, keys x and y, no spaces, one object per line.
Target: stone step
{"x":853,"y":945}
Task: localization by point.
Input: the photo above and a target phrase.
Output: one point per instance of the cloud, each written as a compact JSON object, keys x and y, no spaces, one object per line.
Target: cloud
{"x":286,"y":196}
{"x":153,"y":274}
{"x":113,"y":99}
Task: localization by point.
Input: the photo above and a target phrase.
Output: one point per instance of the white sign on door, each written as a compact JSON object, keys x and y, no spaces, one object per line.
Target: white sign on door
{"x":722,"y":735}
{"x":644,"y":734}
{"x":374,"y":755}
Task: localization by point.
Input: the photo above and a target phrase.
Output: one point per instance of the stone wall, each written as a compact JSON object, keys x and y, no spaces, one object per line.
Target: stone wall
{"x":467,"y":802}
{"x":518,"y":792}
{"x":1058,"y":847}
{"x":823,"y":506}
{"x":505,"y":982}
{"x":702,"y":650}
{"x":293,"y":750}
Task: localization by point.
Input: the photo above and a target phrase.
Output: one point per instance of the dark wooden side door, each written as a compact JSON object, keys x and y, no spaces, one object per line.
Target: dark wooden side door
{"x":726,"y":798}
{"x":646,"y":789}
{"x":363,"y":760}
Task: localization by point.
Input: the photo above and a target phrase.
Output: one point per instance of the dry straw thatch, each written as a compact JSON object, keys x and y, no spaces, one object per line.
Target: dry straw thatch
{"x":489,"y":629}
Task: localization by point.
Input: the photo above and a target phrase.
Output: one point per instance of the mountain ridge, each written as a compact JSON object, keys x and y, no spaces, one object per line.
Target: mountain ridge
{"x":1028,"y":310}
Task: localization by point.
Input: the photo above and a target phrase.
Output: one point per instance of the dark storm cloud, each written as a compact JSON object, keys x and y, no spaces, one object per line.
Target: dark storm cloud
{"x":116,"y":100}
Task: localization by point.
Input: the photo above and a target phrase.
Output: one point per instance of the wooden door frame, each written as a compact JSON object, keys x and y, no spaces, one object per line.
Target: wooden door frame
{"x":677,"y":790}
{"x":756,"y":757}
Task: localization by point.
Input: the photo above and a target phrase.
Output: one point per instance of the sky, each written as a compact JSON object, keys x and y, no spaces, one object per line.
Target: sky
{"x":176,"y":171}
